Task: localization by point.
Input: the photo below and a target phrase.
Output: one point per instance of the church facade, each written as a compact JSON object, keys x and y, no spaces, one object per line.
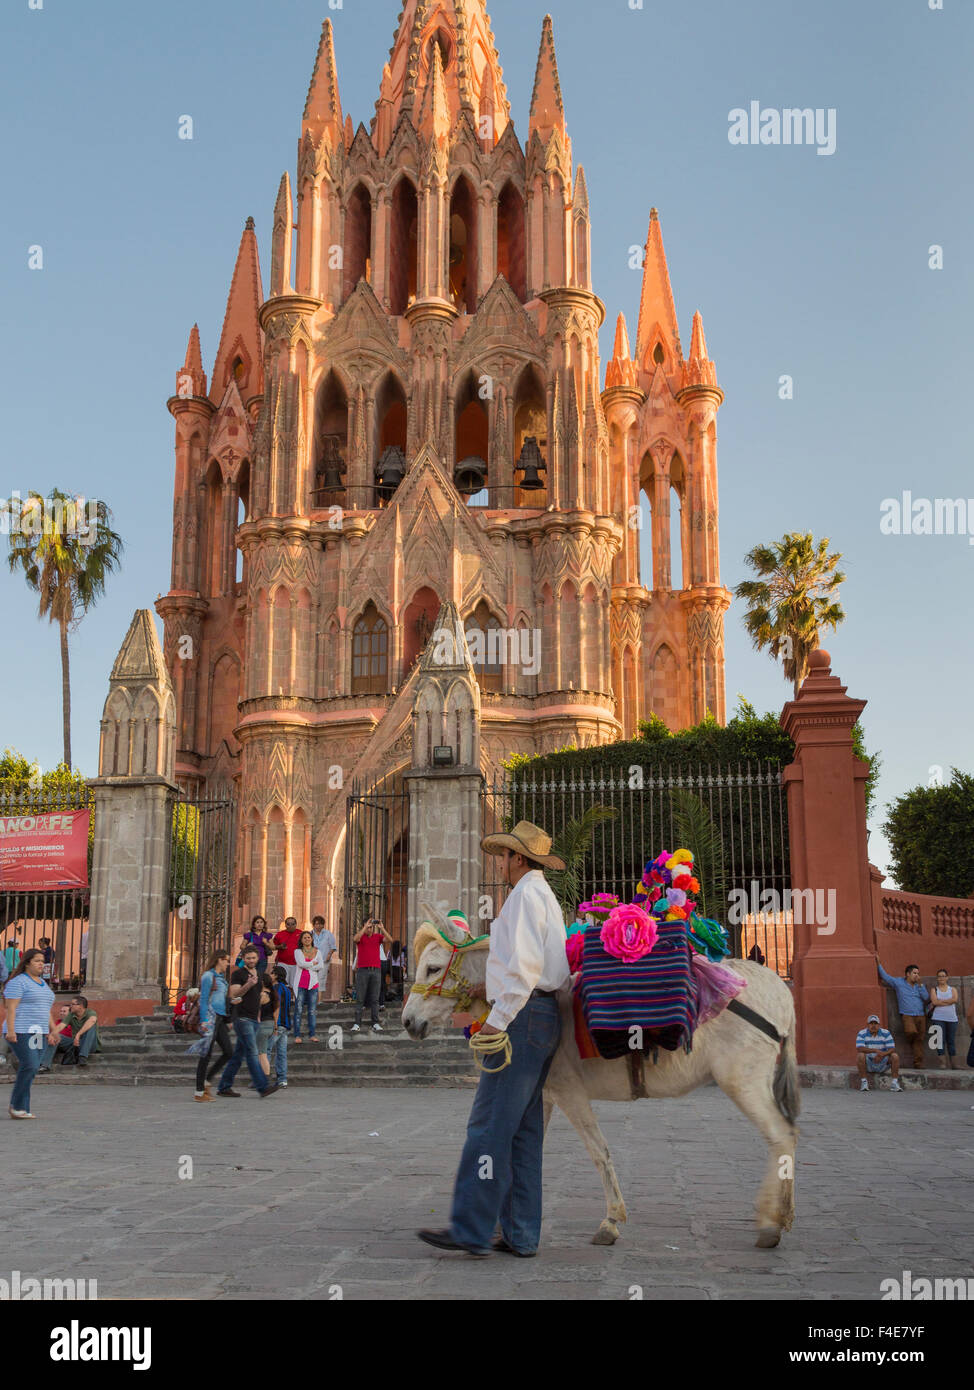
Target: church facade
{"x":416,"y":415}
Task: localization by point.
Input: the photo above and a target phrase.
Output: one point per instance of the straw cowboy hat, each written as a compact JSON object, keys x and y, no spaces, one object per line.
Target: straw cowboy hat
{"x":526,"y":839}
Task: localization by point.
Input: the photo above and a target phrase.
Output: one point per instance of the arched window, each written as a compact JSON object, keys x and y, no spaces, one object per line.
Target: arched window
{"x":472,"y":443}
{"x":330,"y":441}
{"x":404,"y":251}
{"x":390,"y":429}
{"x":370,"y":653}
{"x":486,"y":642}
{"x":530,"y":422}
{"x":358,"y":239}
{"x":417,"y":625}
{"x":512,"y":260}
{"x":463,"y":247}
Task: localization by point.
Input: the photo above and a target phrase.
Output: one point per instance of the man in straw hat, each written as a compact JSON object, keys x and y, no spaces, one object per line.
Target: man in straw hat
{"x":499,"y":1178}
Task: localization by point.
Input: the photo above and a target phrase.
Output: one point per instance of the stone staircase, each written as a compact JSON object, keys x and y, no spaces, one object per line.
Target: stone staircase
{"x":146,"y":1052}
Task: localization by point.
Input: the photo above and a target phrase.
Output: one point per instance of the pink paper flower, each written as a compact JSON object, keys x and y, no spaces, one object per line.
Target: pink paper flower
{"x":574,"y":949}
{"x":629,"y":932}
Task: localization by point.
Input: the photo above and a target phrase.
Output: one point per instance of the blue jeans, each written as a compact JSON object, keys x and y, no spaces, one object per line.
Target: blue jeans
{"x":950,"y":1036}
{"x":277,"y":1054}
{"x":66,"y":1045}
{"x":506,"y":1126}
{"x":28,"y":1054}
{"x":307,"y":999}
{"x":246,"y":1031}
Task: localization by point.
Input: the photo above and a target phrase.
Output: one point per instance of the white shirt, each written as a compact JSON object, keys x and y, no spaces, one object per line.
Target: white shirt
{"x":527,"y":948}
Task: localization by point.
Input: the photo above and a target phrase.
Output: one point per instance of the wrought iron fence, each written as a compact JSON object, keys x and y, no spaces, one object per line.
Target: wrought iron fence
{"x":745,"y":805}
{"x":201,"y":876}
{"x":376,"y":866}
{"x":55,"y":921}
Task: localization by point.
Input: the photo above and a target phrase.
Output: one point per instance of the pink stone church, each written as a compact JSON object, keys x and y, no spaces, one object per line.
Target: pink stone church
{"x":416,"y":415}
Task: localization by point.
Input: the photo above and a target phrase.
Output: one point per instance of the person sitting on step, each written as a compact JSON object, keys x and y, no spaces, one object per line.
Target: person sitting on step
{"x":876,"y":1054}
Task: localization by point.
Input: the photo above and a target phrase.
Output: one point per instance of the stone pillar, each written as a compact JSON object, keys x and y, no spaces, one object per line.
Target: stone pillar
{"x":834,"y":968}
{"x":444,"y":801}
{"x":130,"y":874}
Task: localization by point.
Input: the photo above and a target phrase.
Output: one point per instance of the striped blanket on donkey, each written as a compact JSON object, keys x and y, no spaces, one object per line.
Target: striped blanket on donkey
{"x":656,"y":993}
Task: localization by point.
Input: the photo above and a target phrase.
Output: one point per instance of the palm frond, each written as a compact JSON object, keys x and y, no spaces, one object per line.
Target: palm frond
{"x":572,"y":844}
{"x":695,"y":830}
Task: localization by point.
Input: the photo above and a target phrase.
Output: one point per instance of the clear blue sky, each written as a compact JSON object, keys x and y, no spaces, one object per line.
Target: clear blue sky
{"x":810,"y":266}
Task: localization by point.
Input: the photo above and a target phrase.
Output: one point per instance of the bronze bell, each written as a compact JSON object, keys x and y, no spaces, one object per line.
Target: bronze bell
{"x":328,"y":475}
{"x":470,"y":476}
{"x":532,"y":465}
{"x":391,"y":470}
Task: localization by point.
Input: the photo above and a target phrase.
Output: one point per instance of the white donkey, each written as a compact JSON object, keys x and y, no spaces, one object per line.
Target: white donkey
{"x":759,"y":1074}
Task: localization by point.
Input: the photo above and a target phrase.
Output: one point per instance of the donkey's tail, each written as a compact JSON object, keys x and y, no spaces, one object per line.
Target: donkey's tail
{"x":785,"y":1086}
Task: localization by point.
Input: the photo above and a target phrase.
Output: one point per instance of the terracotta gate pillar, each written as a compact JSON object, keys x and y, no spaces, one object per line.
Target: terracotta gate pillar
{"x":836,"y":985}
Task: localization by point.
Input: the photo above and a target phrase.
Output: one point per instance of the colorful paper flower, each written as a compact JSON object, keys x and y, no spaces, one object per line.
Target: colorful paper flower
{"x":628,"y":932}
{"x":575,"y":949}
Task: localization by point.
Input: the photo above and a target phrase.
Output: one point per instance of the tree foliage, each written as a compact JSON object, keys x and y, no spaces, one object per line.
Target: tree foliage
{"x":931,"y":837}
{"x":793,"y":600}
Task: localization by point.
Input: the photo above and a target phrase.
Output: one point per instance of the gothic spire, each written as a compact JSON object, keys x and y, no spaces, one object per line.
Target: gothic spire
{"x":434,"y":117}
{"x":547,"y":106}
{"x":240,"y":352}
{"x":192,"y":375}
{"x":658,"y":327}
{"x":459,"y":29}
{"x":323,"y":108}
{"x":699,"y":370}
{"x":621,"y":370}
{"x":281,"y":242}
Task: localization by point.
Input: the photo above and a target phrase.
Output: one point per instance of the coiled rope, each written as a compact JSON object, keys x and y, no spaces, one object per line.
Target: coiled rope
{"x":490,"y":1046}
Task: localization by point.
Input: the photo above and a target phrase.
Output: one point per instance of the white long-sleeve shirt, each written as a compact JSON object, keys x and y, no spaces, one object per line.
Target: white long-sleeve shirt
{"x":527,"y":948}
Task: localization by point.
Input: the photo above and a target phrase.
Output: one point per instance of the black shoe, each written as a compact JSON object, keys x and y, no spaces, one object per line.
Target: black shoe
{"x":444,"y":1241}
{"x":499,"y":1243}
{"x":224,"y":1094}
{"x":42,"y":1070}
{"x":268,"y":1091}
{"x":82,"y":1061}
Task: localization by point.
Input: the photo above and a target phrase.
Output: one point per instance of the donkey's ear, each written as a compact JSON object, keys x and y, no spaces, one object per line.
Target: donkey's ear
{"x":437,"y":915}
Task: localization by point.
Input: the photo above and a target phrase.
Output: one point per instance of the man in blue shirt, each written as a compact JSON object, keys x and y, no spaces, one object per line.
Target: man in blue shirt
{"x":911,"y":1000}
{"x":876,"y":1053}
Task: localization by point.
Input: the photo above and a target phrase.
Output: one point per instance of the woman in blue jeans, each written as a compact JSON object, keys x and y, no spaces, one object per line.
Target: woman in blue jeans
{"x":30,"y":1024}
{"x":307,"y":965}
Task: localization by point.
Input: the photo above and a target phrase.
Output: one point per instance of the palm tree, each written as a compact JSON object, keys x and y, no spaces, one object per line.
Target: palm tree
{"x":792,"y":600}
{"x":66,"y":555}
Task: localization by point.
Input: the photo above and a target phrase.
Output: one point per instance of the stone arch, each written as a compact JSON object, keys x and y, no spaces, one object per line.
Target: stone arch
{"x":280,"y":641}
{"x":403,"y":244}
{"x":418,"y":621}
{"x":358,"y":237}
{"x":463,"y":250}
{"x":391,"y":416}
{"x":512,"y":260}
{"x":570,"y":637}
{"x":223,"y":698}
{"x":488,"y":653}
{"x":330,"y":444}
{"x":663,"y":696}
{"x":530,"y":421}
{"x":472,"y":426}
{"x":369,"y":664}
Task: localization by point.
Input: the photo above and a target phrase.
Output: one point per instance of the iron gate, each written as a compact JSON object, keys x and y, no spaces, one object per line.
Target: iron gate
{"x":745,"y":805}
{"x":201,"y":877}
{"x":376,"y":865}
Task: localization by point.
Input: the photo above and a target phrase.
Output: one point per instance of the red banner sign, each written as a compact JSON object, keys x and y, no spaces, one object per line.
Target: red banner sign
{"x":45,"y":853}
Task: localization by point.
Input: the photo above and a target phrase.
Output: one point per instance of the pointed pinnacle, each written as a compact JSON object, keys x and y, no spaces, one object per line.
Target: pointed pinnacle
{"x":547,"y":106}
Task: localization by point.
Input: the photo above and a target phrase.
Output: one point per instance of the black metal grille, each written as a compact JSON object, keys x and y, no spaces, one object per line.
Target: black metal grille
{"x":746,"y":804}
{"x":376,"y":866}
{"x":201,"y":877}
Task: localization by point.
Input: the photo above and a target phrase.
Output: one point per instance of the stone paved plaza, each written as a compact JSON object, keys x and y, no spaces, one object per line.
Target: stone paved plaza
{"x":317,"y":1188}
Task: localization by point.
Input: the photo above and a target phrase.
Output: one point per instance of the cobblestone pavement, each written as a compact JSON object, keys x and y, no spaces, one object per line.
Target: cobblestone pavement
{"x":315,"y":1191}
